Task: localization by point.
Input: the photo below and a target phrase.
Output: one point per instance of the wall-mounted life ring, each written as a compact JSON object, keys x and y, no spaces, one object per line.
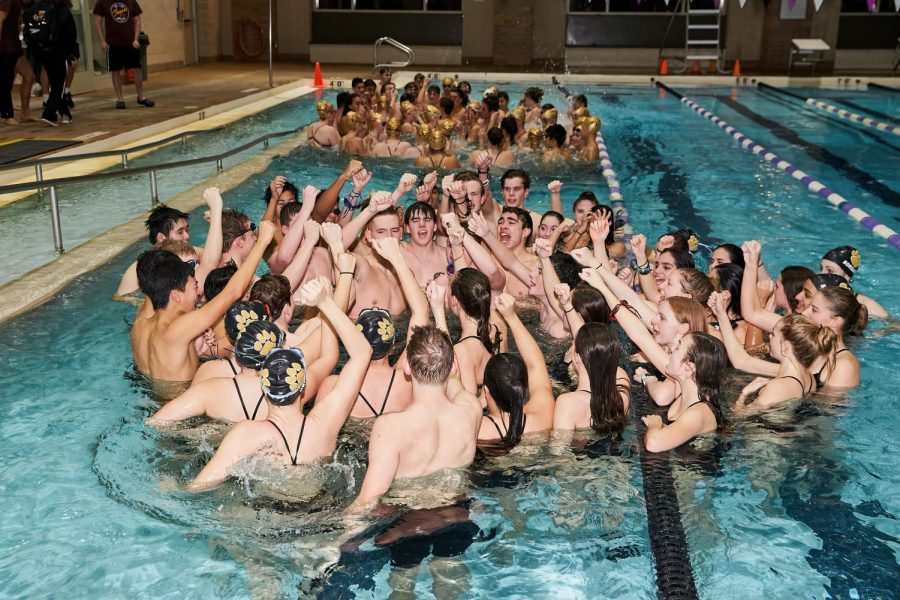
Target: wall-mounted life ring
{"x":250,"y":38}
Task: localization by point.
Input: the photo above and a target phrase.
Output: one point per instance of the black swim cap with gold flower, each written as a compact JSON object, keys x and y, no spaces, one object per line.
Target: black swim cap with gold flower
{"x":846,"y":257}
{"x":283,"y":375}
{"x":255,"y":343}
{"x":831,"y":280}
{"x":378,"y":327}
{"x":242,"y":314}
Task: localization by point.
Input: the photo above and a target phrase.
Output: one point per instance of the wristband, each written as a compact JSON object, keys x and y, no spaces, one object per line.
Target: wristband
{"x":346,"y":273}
{"x":645,"y":270}
{"x":568,"y":311}
{"x":483,"y":172}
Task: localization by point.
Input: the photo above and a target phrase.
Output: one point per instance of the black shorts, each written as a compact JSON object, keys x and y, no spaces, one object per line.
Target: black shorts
{"x":124,"y":57}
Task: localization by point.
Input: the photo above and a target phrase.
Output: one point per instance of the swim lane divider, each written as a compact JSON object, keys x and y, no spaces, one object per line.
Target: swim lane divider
{"x":674,"y":574}
{"x":829,"y":195}
{"x":838,"y":111}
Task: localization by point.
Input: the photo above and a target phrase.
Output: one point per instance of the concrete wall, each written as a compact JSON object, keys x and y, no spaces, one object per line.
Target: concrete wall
{"x":210,"y":28}
{"x":478,"y":31}
{"x":293,"y":29}
{"x":167,"y":35}
{"x":744,"y":32}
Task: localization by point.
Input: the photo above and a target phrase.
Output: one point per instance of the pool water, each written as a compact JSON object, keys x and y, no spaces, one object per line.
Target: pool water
{"x":798,"y":503}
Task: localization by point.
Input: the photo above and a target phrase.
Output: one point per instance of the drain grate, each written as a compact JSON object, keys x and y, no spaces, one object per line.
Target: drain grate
{"x":22,"y":149}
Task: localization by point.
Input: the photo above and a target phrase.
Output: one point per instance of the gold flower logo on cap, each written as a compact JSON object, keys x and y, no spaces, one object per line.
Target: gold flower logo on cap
{"x":295,"y":376}
{"x":693,"y":242}
{"x":244,"y":318}
{"x":264,"y":378}
{"x":855,"y":259}
{"x":386,"y":330}
{"x":265,"y":342}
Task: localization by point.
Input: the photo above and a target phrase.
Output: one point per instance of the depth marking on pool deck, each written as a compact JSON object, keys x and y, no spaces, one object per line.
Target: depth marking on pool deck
{"x":832,"y":197}
{"x":40,"y":285}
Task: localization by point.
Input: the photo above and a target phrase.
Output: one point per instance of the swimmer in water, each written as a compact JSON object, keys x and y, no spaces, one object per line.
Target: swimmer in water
{"x":392,"y":145}
{"x":287,"y":436}
{"x":846,"y":261}
{"x":323,"y":133}
{"x":438,"y":156}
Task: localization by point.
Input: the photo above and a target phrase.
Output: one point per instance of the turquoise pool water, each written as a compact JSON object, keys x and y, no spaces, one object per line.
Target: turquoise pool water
{"x":795,"y":504}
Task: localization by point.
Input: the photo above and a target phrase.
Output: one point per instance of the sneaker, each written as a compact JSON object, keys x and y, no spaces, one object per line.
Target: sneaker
{"x":51,"y":122}
{"x":67,"y":98}
{"x":66,"y":119}
{"x":146,"y":102}
{"x":120,"y":104}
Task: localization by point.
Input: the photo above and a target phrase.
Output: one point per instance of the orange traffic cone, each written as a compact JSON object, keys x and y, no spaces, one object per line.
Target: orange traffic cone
{"x":737,"y":68}
{"x":664,"y":67}
{"x":695,"y":68}
{"x":711,"y":67}
{"x":317,"y":78}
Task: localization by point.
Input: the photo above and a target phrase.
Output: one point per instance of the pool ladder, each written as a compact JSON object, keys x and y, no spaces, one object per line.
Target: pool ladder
{"x":702,"y":35}
{"x":406,"y":50}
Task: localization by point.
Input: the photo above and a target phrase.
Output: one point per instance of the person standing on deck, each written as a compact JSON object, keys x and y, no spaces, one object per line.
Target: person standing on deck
{"x":118,"y":24}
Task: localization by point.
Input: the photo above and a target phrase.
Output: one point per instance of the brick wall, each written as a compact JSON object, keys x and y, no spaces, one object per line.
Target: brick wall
{"x":160,"y":22}
{"x":513,"y":32}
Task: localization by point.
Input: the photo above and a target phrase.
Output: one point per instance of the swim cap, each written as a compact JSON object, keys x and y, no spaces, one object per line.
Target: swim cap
{"x":581,"y":112}
{"x":589,"y":124}
{"x":447,"y":126}
{"x":283,"y":375}
{"x":448,"y":81}
{"x":377,"y":325}
{"x":406,"y":106}
{"x":433,"y":111}
{"x":475,"y":105}
{"x":830,"y":280}
{"x":376,"y":117}
{"x":424,"y":131}
{"x":393,"y":124}
{"x":519,"y":113}
{"x":549,"y":115}
{"x":437,"y":141}
{"x":846,"y":257}
{"x":254,"y":344}
{"x":324,"y":107}
{"x":352,"y":117}
{"x":383,"y":101}
{"x":242,"y":314}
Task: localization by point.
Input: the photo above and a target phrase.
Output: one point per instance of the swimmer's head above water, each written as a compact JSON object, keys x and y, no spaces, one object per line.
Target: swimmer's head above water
{"x":241,"y":314}
{"x":377,"y":325}
{"x":256,"y":342}
{"x":843,"y":261}
{"x":283,"y":376}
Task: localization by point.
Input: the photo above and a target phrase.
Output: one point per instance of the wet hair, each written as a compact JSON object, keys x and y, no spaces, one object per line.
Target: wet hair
{"x":699,"y":286}
{"x":547,"y":106}
{"x":809,"y":341}
{"x":356,"y":81}
{"x":466,"y":176}
{"x":682,"y":258}
{"x":552,"y":213}
{"x":274,"y":291}
{"x":463,"y":97}
{"x":567,"y":269}
{"x":232,"y":227}
{"x":524,"y":218}
{"x":446,"y":105}
{"x":472,"y":290}
{"x":389,"y":211}
{"x":492,"y":103}
{"x":377,"y":326}
{"x":288,"y":187}
{"x":503,"y":95}
{"x":160,"y":272}
{"x":217,"y":279}
{"x":728,"y":278}
{"x":348,"y":101}
{"x":495,"y":136}
{"x":162,"y":220}
{"x":510,"y":127}
{"x":408,"y":96}
{"x":843,"y":304}
{"x":369,"y":83}
{"x":513,"y":173}
{"x":506,"y":378}
{"x":599,"y":350}
{"x":433,"y":89}
{"x":287,"y":211}
{"x":464,"y":83}
{"x":341,"y":100}
{"x":557,"y":133}
{"x":535,"y":93}
{"x":429,"y":353}
{"x":735,"y":254}
{"x":792,"y":280}
{"x":177,"y":247}
{"x":419,"y":208}
{"x":582,"y":99}
{"x":688,"y":311}
{"x":710,"y":359}
{"x":586,"y":196}
{"x":590,"y":304}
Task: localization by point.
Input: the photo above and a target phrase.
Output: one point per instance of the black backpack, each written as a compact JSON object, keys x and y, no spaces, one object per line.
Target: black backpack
{"x":40,"y":26}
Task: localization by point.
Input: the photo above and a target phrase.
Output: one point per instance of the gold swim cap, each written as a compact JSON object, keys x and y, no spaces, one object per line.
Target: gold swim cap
{"x":376,"y":117}
{"x":352,"y":117}
{"x":549,"y":115}
{"x":383,"y":102}
{"x":323,"y":108}
{"x":437,"y":141}
{"x":406,"y":106}
{"x":393,"y":124}
{"x":448,"y":82}
{"x":519,"y":113}
{"x":581,"y":112}
{"x":492,"y":91}
{"x":433,"y":111}
{"x":535,"y":133}
{"x":475,"y":105}
{"x":424,"y":131}
{"x":447,"y":126}
{"x":589,"y":124}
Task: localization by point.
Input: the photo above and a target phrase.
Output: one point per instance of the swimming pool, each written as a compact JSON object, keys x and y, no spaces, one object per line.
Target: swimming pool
{"x":795,"y":504}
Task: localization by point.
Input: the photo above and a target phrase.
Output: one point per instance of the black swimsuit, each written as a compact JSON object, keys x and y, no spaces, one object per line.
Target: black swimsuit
{"x":233,"y":369}
{"x":802,"y":389}
{"x":244,"y":406}
{"x":296,"y":453}
{"x":386,"y":396}
{"x":478,"y":386}
{"x":500,"y":433}
{"x":817,"y":377}
{"x":431,"y":159}
{"x":716,"y":411}
{"x":316,"y":140}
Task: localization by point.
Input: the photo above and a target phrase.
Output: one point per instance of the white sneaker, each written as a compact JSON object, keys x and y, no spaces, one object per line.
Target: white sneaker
{"x":66,"y":120}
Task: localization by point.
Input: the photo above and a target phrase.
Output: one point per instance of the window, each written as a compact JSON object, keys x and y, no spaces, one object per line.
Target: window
{"x":396,"y":5}
{"x":632,"y":6}
{"x":862,"y":6}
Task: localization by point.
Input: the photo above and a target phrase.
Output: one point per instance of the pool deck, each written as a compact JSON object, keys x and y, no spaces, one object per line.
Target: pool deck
{"x":211,"y":95}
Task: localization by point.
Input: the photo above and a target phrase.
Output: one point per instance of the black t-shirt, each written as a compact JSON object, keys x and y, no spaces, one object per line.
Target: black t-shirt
{"x":119,"y":16}
{"x":9,"y":36}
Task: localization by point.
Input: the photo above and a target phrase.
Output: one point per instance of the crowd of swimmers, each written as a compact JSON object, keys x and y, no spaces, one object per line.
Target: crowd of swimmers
{"x":463,"y":246}
{"x":433,"y":125}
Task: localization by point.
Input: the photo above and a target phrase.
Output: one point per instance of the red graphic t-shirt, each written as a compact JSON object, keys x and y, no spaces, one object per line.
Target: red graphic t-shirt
{"x":119,"y":16}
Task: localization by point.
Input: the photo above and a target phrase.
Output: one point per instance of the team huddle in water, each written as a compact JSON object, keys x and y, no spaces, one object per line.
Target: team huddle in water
{"x":433,"y":125}
{"x":215,"y":340}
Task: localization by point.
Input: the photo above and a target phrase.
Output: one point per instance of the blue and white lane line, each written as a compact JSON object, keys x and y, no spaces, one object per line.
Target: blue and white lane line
{"x":615,"y":191}
{"x":829,"y":195}
{"x":855,"y":117}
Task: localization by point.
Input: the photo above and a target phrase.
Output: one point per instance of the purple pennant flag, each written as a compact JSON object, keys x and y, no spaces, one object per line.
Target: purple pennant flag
{"x":871,"y":4}
{"x":792,"y":3}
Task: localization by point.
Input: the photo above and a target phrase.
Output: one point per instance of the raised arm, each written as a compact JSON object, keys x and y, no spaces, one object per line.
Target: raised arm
{"x":540,"y":390}
{"x":573,"y":318}
{"x":555,"y":188}
{"x":751,"y":309}
{"x":329,"y":198}
{"x":478,"y":225}
{"x":296,"y":270}
{"x":191,"y":325}
{"x":648,"y":283}
{"x":377,"y":203}
{"x":406,"y":184}
{"x":738,"y":356}
{"x":291,"y":242}
{"x":276,"y":188}
{"x":437,"y":295}
{"x":389,"y":249}
{"x":632,"y":325}
{"x":212,"y":249}
{"x":550,"y":279}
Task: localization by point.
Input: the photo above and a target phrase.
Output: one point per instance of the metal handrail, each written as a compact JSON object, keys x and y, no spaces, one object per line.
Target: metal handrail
{"x":52,"y":184}
{"x":410,"y":56}
{"x":124,"y":152}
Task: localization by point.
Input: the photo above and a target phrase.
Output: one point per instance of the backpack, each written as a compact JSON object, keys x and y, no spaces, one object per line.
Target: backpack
{"x":40,"y":26}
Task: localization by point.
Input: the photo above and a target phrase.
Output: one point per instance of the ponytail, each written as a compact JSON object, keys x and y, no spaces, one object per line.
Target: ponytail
{"x":844,"y":304}
{"x":809,"y":341}
{"x":472,"y":290}
{"x":506,"y":378}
